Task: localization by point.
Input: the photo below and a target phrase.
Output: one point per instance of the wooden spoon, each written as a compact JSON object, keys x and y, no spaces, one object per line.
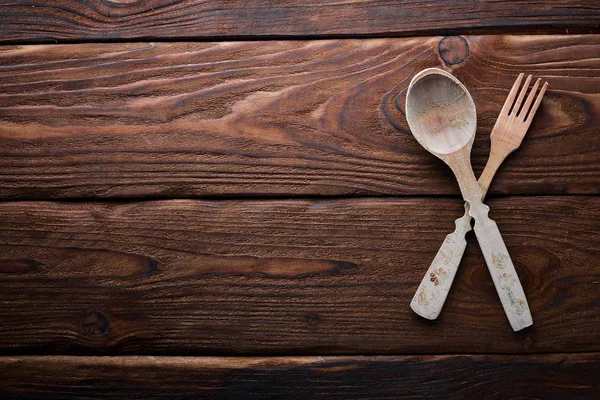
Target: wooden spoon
{"x":441,"y":115}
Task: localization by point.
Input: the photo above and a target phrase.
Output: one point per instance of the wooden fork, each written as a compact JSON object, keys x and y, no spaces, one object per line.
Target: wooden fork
{"x":507,"y":135}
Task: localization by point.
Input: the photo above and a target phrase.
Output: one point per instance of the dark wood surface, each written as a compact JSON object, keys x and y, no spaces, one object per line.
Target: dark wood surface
{"x":42,"y":20}
{"x":281,"y":118}
{"x":555,"y":376}
{"x":287,"y":277}
{"x":234,"y":182}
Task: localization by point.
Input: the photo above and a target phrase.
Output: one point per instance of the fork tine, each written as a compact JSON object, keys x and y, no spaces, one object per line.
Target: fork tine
{"x":529,"y":100}
{"x":521,"y":97}
{"x":511,"y":96}
{"x":538,"y":100}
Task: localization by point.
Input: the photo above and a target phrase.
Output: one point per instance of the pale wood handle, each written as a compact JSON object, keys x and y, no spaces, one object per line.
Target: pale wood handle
{"x":494,"y":250}
{"x":501,"y":268}
{"x":492,"y":246}
{"x":433,"y":290}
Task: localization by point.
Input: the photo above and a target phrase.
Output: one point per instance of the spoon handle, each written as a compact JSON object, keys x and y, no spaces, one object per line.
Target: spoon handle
{"x":501,"y":268}
{"x":492,"y":245}
{"x":493,"y":248}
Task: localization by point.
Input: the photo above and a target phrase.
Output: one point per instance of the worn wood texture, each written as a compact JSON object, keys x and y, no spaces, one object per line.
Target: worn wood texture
{"x":284,"y":118}
{"x":189,"y":277}
{"x":555,"y":376}
{"x":42,"y":20}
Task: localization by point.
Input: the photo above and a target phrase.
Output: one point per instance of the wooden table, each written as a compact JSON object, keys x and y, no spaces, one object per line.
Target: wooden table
{"x":224,"y":200}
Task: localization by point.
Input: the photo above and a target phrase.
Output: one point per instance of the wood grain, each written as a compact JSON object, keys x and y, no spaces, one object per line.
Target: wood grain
{"x":189,"y":277}
{"x":555,"y":376}
{"x":43,"y":21}
{"x":281,"y":118}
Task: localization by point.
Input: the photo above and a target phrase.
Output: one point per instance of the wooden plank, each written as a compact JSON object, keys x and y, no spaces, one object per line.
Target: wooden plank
{"x":282,"y":118}
{"x":184,"y":277}
{"x":553,"y":376}
{"x":42,"y":21}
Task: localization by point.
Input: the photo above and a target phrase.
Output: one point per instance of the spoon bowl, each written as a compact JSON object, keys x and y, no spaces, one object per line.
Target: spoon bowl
{"x":440,"y":112}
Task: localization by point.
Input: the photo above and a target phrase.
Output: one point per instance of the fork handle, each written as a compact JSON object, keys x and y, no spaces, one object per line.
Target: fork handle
{"x":498,"y":153}
{"x":429,"y":299}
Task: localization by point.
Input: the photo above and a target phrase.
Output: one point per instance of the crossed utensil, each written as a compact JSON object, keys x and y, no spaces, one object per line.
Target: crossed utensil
{"x":441,"y":115}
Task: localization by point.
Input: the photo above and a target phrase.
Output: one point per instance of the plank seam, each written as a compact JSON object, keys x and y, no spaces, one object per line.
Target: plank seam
{"x":537,"y":30}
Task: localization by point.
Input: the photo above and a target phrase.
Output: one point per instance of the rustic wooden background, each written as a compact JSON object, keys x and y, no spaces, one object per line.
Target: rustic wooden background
{"x":222,"y":199}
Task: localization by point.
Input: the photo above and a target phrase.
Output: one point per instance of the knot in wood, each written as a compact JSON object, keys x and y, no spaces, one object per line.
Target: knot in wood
{"x":453,"y":50}
{"x":527,"y":342}
{"x":94,"y":323}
